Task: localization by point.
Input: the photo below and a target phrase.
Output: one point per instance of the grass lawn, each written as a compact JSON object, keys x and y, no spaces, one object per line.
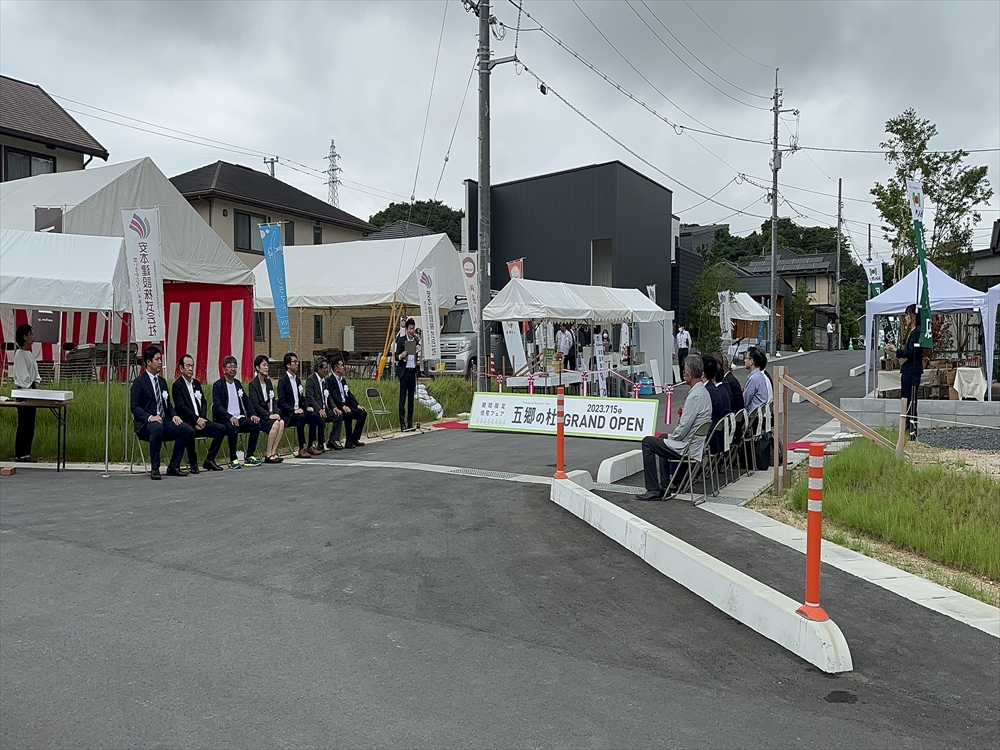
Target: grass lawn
{"x":943,"y":515}
{"x":86,"y":416}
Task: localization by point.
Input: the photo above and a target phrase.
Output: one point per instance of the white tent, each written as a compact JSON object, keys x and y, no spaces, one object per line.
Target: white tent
{"x":63,"y":272}
{"x":66,"y":272}
{"x":528,"y":299}
{"x":990,"y":329}
{"x":92,"y":200}
{"x":743,"y":307}
{"x":946,"y":295}
{"x":364,"y":273}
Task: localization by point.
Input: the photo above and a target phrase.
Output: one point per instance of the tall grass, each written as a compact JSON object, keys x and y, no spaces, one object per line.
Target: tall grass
{"x":86,"y":416}
{"x":953,"y":518}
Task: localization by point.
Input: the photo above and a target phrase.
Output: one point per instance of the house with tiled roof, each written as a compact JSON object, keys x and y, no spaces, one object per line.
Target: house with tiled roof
{"x":234,"y":199}
{"x":38,"y":136}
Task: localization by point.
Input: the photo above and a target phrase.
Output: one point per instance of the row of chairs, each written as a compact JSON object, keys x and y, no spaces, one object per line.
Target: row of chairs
{"x":739,"y":433}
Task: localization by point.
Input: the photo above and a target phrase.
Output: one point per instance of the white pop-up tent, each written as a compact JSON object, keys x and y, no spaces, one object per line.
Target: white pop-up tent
{"x":990,"y":326}
{"x":946,"y":295}
{"x":364,"y":273}
{"x":743,"y":307}
{"x":66,"y":272}
{"x":206,"y":283}
{"x":553,"y":301}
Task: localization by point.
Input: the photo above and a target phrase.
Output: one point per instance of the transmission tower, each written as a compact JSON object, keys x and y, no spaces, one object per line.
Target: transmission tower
{"x":333,"y":171}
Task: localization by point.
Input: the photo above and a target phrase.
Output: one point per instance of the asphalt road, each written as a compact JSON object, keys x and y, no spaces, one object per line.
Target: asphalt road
{"x":337,"y":606}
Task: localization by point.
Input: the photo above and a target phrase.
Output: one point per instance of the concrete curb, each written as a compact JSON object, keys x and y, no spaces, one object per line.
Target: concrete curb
{"x":855,"y":371}
{"x":618,"y":467}
{"x":820,"y":387}
{"x":770,"y":613}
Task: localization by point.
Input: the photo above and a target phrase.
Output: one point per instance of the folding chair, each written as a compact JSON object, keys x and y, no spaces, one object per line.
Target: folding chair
{"x":375,"y":395}
{"x":136,"y":445}
{"x":751,"y":428}
{"x":715,"y":459}
{"x":685,"y":460}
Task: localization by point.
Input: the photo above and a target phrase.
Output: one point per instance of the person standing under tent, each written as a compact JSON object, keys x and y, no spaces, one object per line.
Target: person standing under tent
{"x":25,"y":375}
{"x":683,"y":346}
{"x":910,"y":371}
{"x":564,"y":345}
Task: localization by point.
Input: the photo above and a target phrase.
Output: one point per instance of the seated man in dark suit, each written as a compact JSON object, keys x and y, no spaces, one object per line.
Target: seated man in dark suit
{"x":318,"y":400}
{"x":189,"y":399}
{"x":720,"y":401}
{"x":292,"y":406}
{"x":354,"y":415}
{"x":154,"y":417}
{"x":231,"y":407}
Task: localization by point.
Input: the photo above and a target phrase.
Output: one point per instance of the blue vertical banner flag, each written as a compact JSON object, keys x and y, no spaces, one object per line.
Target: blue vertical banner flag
{"x":274,"y":256}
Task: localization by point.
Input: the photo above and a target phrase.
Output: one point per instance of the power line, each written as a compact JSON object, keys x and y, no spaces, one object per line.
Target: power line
{"x":769,"y":67}
{"x":686,"y":49}
{"x":430,"y":98}
{"x":649,"y":164}
{"x":458,"y":119}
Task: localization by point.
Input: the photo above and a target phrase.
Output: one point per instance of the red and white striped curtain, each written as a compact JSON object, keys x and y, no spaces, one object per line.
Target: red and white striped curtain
{"x":207,"y":321}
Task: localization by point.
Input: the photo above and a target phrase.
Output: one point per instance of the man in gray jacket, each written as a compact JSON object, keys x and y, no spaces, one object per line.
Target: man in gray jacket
{"x":696,"y":411}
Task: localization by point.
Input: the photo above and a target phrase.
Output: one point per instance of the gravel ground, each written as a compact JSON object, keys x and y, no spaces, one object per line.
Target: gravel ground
{"x":963,"y":438}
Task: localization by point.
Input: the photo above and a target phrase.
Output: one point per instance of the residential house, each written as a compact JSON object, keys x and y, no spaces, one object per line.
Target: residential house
{"x":234,"y":200}
{"x":37,"y":136}
{"x":818,"y":271}
{"x":985,"y":271}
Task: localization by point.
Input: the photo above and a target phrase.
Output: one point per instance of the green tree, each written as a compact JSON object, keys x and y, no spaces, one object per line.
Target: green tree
{"x":703,"y":312}
{"x":434,"y":215}
{"x":953,"y":187}
{"x":801,"y":317}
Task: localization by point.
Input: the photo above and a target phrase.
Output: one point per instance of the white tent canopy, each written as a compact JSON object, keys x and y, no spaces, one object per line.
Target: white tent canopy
{"x":743,"y":307}
{"x":364,"y":273}
{"x":946,"y":295}
{"x":92,"y":200}
{"x":63,"y":272}
{"x":990,"y":327}
{"x":528,"y":299}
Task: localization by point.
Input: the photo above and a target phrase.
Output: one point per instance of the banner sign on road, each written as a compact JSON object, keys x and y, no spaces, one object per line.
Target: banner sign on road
{"x":615,"y":418}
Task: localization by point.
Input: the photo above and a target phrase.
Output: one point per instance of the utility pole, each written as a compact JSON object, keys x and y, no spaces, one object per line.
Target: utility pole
{"x":775,"y":166}
{"x":869,"y":284}
{"x":483,"y":357}
{"x":840,"y":208}
{"x":270,"y":164}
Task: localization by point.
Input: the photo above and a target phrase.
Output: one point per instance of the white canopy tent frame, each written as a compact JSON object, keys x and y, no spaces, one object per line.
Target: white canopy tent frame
{"x":990,"y":332}
{"x":946,"y":295}
{"x":67,"y":272}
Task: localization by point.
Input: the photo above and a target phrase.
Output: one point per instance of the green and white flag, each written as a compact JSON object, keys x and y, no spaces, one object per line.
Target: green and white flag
{"x":915,"y":193}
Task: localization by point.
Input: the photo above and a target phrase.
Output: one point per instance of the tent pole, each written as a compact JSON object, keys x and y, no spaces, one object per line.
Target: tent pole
{"x":107,"y":394}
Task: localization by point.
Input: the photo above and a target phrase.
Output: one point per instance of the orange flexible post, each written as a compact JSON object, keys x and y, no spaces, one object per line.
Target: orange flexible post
{"x":560,"y":435}
{"x":814,"y":536}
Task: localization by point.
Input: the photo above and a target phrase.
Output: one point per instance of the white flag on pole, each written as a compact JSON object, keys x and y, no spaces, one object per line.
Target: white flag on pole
{"x":915,"y":195}
{"x":145,"y":272}
{"x":429,"y":315}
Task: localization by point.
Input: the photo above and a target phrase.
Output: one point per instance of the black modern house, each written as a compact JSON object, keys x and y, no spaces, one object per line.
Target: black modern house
{"x":603,"y":224}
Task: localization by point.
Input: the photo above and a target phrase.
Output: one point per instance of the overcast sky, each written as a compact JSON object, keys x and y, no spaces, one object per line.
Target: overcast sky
{"x":284,"y":78}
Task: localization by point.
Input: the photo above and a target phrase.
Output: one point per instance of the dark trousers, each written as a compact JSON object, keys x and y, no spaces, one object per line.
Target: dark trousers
{"x":407,"y":390}
{"x":299,"y":421}
{"x":331,"y":418}
{"x":681,"y":356}
{"x":155,"y":433}
{"x":829,"y":342}
{"x":212,"y":430}
{"x":653,"y":447}
{"x":233,"y":430}
{"x":25,"y":435}
{"x":353,"y":425}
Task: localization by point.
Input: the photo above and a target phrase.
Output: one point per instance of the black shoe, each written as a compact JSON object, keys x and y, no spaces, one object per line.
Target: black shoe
{"x":211,"y":466}
{"x":154,"y":474}
{"x":348,"y":445}
{"x":650,"y":495}
{"x":194,"y":469}
{"x":26,"y":460}
{"x":334,"y":446}
{"x":176,"y":471}
{"x":358,"y":444}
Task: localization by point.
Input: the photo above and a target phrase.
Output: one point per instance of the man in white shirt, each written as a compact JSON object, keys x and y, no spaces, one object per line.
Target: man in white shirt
{"x":564,"y":346}
{"x":829,"y":334}
{"x":683,"y":346}
{"x":232,"y":408}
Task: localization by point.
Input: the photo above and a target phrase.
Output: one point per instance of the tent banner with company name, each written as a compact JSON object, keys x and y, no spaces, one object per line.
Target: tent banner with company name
{"x":430,"y":317}
{"x":145,"y":272}
{"x":585,"y":416}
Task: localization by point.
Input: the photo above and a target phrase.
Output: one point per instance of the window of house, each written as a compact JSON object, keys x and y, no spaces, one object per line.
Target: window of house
{"x":246,"y":234}
{"x":317,"y":329}
{"x":811,"y":283}
{"x":259,"y":326}
{"x":317,"y":235}
{"x":289,"y":229}
{"x":18,"y":164}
